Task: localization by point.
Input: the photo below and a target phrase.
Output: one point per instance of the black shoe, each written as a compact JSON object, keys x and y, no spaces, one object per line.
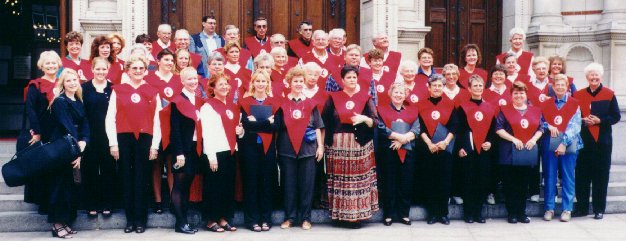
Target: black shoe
{"x":158,"y":208}
{"x":523,"y":219}
{"x":92,"y":214}
{"x":355,"y":225}
{"x":480,"y":219}
{"x":444,"y":220}
{"x":107,"y":213}
{"x":598,"y":216}
{"x":405,"y":221}
{"x":184,"y":229}
{"x":140,"y":229}
{"x":432,"y":220}
{"x":469,"y":220}
{"x":579,"y":213}
{"x":512,"y":220}
{"x":387,"y":223}
{"x":129,"y":229}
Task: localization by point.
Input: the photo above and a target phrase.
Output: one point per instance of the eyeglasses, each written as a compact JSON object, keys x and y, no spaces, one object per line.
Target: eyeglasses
{"x":138,"y":68}
{"x":261,"y":26}
{"x":307,"y":30}
{"x":279,"y":42}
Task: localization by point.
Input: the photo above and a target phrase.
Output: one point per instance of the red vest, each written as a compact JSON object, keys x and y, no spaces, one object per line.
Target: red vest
{"x":196,"y":60}
{"x":432,"y":114}
{"x":298,"y":47}
{"x":156,"y":48}
{"x":245,"y":104}
{"x":328,"y":67}
{"x":280,"y":87}
{"x":496,"y":99}
{"x":559,"y":117}
{"x":135,"y":108}
{"x":464,"y":76}
{"x":585,"y":99}
{"x":167,"y":91}
{"x":44,"y":86}
{"x":524,"y":61}
{"x":82,"y":69}
{"x":391,"y":63}
{"x":346,"y":105}
{"x":239,"y":82}
{"x":524,"y":126}
{"x":389,"y":115}
{"x":115,"y":72}
{"x":462,"y":96}
{"x":255,"y":46}
{"x":537,"y":96}
{"x":229,"y":113}
{"x":382,"y":87}
{"x":192,"y":112}
{"x":479,"y":118}
{"x":320,"y":99}
{"x":296,"y":117}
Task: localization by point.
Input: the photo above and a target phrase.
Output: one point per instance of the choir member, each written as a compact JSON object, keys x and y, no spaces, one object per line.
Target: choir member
{"x":471,"y":57}
{"x":517,"y":36}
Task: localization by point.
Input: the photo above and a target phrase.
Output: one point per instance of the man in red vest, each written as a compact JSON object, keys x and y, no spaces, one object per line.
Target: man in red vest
{"x":392,"y":58}
{"x":259,"y":43}
{"x":301,"y":45}
{"x":164,"y":33}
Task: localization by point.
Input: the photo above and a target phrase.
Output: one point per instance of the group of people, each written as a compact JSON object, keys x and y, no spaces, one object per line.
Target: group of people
{"x":220,"y":116}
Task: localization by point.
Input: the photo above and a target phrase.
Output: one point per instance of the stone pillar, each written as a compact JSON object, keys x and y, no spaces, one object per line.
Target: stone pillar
{"x":546,"y":16}
{"x":412,"y":28}
{"x":613,"y":15}
{"x":93,"y":18}
{"x":514,"y":14}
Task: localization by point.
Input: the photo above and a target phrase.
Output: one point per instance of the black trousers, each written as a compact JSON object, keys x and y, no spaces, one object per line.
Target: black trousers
{"x":397,"y":182}
{"x":63,"y":199}
{"x":534,"y":185}
{"x":298,"y":179}
{"x":135,"y":168}
{"x":183,"y":176}
{"x":592,"y":169}
{"x":98,"y":176}
{"x":258,"y":171}
{"x":476,"y":173}
{"x":438,"y":171}
{"x":218,"y":188}
{"x":516,"y":180}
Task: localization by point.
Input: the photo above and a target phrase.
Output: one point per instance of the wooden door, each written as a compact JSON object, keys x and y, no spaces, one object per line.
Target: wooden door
{"x":283,"y":16}
{"x":456,"y":23}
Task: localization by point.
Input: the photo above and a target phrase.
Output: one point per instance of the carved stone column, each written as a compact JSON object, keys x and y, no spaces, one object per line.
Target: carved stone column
{"x":546,"y":16}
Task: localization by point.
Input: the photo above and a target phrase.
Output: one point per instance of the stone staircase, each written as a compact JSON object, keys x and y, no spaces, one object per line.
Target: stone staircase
{"x":17,"y":215}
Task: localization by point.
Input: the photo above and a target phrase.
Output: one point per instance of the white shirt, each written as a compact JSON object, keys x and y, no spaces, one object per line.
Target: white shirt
{"x":322,"y":58}
{"x":499,"y":91}
{"x":163,"y":45}
{"x":111,"y":127}
{"x":451,"y":93}
{"x":210,"y":42}
{"x":213,"y":134}
{"x":192,"y":99}
{"x":538,"y":83}
{"x":232,"y":67}
{"x":309,"y":93}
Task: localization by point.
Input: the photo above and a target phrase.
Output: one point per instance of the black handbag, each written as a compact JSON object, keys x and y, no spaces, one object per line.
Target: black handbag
{"x":38,"y":159}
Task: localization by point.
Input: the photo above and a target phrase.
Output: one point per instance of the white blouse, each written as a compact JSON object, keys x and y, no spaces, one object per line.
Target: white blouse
{"x":213,"y":135}
{"x":111,"y":127}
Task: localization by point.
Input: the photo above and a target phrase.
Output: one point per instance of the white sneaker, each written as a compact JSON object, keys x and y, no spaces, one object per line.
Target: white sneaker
{"x":534,"y":198}
{"x":548,"y":215}
{"x":458,"y":200}
{"x":491,"y":199}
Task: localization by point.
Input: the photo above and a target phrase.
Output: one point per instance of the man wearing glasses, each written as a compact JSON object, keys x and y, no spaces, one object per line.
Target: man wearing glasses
{"x":259,"y":43}
{"x":299,"y":46}
{"x":206,"y":41}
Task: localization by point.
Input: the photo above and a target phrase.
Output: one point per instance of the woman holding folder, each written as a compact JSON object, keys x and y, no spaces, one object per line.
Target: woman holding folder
{"x":398,"y":128}
{"x":474,"y":141}
{"x":258,"y":151}
{"x":438,"y":117}
{"x":562,"y":113}
{"x":520,"y":126}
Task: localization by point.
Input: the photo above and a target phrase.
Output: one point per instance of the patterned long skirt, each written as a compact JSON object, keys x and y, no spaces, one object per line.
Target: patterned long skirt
{"x":352,"y":190}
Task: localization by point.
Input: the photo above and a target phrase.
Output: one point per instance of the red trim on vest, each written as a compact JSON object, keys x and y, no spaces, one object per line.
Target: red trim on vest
{"x":135,"y":108}
{"x":479,"y":118}
{"x":229,"y":113}
{"x":245,"y":104}
{"x":296,"y":117}
{"x":255,"y":47}
{"x":346,"y":106}
{"x":44,"y":86}
{"x":559,"y":117}
{"x":523,"y":126}
{"x":585,"y":99}
{"x":192,"y":112}
{"x":389,"y":115}
{"x":434,"y":114}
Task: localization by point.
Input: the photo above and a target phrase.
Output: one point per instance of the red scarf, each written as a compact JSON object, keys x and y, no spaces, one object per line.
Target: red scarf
{"x":346,"y":105}
{"x":245,"y":104}
{"x":479,"y":118}
{"x":585,"y":99}
{"x":559,"y":117}
{"x":524,"y":126}
{"x":296,"y":117}
{"x":44,"y":86}
{"x":192,"y":112}
{"x":389,"y":115}
{"x":434,"y":114}
{"x":229,"y":114}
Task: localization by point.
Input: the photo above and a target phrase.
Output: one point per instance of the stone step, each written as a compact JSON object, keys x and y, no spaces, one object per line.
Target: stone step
{"x":7,"y":146}
{"x":4,"y":189}
{"x":31,"y":221}
{"x":617,"y":189}
{"x":15,"y":202}
{"x":618,"y":173}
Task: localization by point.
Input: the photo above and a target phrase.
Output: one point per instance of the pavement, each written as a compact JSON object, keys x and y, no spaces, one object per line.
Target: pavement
{"x":612,"y":227}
